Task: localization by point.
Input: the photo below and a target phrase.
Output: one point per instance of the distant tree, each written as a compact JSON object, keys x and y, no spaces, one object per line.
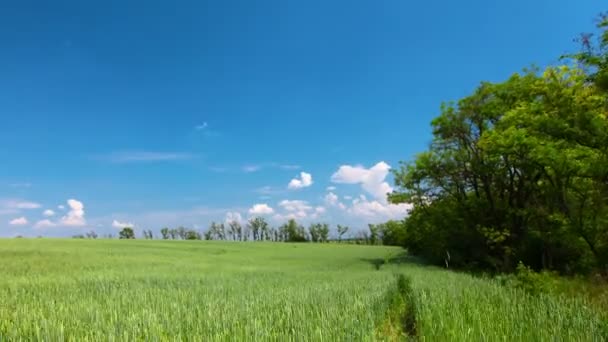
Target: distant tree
{"x":217,"y":231}
{"x":148,"y":234}
{"x":126,"y":233}
{"x":341,"y":231}
{"x":235,"y":230}
{"x":374,"y":234}
{"x":192,"y":234}
{"x":323,"y":232}
{"x":293,"y":232}
{"x":208,"y":235}
{"x":165,"y":233}
{"x":173,"y":233}
{"x":259,"y":228}
{"x":91,"y":235}
{"x":313,"y":231}
{"x":77,"y":236}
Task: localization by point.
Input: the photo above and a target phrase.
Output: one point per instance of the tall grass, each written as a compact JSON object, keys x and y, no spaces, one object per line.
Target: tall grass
{"x":456,"y":306}
{"x":80,"y":290}
{"x":132,"y":290}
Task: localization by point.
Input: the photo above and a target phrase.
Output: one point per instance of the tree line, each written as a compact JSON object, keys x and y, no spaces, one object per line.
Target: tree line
{"x":517,"y":171}
{"x":258,"y":229}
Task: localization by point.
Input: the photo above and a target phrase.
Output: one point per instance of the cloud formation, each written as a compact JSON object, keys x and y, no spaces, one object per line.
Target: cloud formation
{"x":145,"y":156}
{"x":251,"y":168}
{"x":44,"y":224}
{"x":304,"y":181}
{"x":372,"y":180}
{"x":75,"y":216}
{"x":48,"y":213}
{"x":120,"y":225}
{"x":233,"y":216}
{"x":21,"y":221}
{"x":261,"y":209}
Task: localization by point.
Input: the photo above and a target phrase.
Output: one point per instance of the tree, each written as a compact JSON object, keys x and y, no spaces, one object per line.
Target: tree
{"x":173,"y":234}
{"x":91,"y":235}
{"x":148,"y":235}
{"x":313,"y":232}
{"x":259,"y":228}
{"x":191,"y":234}
{"x":318,"y":232}
{"x":341,"y":231}
{"x":292,"y":232}
{"x":516,"y":171}
{"x":236,"y":230}
{"x":323,"y":232}
{"x":165,"y":233}
{"x":126,"y":233}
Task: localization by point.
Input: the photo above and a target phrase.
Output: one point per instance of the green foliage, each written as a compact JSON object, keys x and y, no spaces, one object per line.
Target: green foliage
{"x":126,"y":233}
{"x":516,"y":171}
{"x":530,"y":281}
{"x":318,"y":232}
{"x":293,"y":232}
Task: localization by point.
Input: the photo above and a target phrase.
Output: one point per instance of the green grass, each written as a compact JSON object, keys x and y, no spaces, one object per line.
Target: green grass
{"x":177,"y":290}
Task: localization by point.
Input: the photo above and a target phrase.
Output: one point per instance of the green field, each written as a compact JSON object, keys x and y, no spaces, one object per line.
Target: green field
{"x":178,"y":290}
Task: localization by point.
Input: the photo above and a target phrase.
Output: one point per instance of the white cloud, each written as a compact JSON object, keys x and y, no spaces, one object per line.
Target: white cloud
{"x":48,"y":213}
{"x":295,"y":209}
{"x":295,"y":205}
{"x":375,"y":211}
{"x":144,"y":156}
{"x":332,"y":200}
{"x":348,"y":198}
{"x":251,"y":168}
{"x":320,"y":210}
{"x":289,"y":167}
{"x":261,"y":209}
{"x":201,"y":126}
{"x":233,"y":216}
{"x":21,"y":221}
{"x":61,"y":207}
{"x":44,"y":224}
{"x":304,"y":181}
{"x":331,"y":188}
{"x":75,"y":216}
{"x":372,"y":180}
{"x":18,"y":204}
{"x":121,"y":225}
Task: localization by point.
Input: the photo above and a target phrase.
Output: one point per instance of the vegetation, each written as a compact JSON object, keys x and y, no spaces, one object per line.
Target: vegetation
{"x":517,"y":171}
{"x":154,"y":290}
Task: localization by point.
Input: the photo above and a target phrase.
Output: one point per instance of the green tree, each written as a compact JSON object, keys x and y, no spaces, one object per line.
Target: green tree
{"x":165,"y":233}
{"x":341,"y":231}
{"x":293,"y":232}
{"x":126,"y":233}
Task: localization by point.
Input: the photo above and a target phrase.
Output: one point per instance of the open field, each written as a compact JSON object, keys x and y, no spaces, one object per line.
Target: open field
{"x":161,"y":290}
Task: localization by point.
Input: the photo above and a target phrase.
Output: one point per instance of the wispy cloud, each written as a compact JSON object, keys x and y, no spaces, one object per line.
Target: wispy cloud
{"x":251,"y":168}
{"x":259,"y":166}
{"x":20,"y":185}
{"x":201,"y":126}
{"x":13,"y":206}
{"x":144,"y":156}
{"x":205,"y":130}
{"x":269,"y":190}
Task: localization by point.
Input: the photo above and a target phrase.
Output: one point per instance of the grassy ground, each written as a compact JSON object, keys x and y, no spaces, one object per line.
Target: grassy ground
{"x":166,"y":290}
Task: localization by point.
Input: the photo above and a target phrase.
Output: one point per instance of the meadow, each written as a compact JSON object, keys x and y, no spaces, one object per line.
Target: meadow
{"x":78,"y":290}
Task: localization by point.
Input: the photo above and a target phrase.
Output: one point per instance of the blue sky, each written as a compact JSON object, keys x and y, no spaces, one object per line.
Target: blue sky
{"x":179,"y":113}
